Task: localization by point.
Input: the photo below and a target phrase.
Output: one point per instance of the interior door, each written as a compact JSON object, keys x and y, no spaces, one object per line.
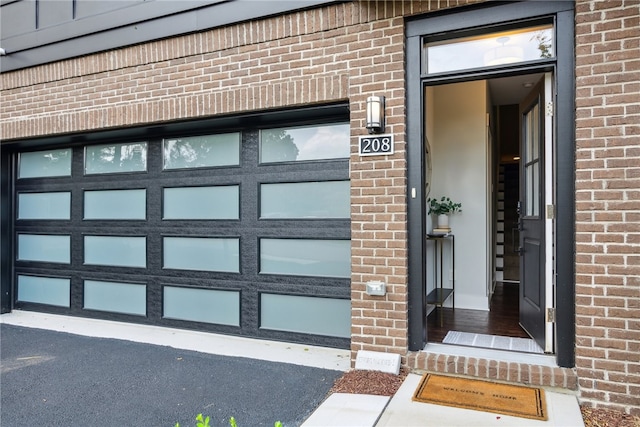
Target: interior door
{"x":531,"y":215}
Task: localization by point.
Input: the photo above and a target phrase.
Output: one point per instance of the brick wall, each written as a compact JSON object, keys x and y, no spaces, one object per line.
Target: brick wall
{"x":608,"y":203}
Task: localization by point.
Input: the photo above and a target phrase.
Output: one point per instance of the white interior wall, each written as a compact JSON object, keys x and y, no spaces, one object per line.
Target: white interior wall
{"x":460,"y":168}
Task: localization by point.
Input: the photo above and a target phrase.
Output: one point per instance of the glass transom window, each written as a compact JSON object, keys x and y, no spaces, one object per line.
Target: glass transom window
{"x":489,"y":50}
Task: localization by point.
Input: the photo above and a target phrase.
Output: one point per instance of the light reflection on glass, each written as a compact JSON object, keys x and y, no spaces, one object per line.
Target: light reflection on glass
{"x":505,"y":47}
{"x":304,"y":143}
{"x":48,"y":163}
{"x":202,"y":151}
{"x":116,"y":158}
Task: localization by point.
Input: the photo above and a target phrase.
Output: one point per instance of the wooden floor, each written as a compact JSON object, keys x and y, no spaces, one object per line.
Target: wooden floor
{"x":501,"y":320}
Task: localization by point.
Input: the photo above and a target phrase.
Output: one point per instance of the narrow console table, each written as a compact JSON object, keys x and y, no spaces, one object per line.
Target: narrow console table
{"x":440,"y":293}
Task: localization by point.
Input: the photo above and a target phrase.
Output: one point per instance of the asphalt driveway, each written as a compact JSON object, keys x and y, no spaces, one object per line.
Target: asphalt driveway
{"x":57,"y":379}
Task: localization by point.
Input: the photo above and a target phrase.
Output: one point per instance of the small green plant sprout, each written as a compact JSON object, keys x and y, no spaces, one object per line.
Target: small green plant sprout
{"x":444,"y":206}
{"x":201,"y":421}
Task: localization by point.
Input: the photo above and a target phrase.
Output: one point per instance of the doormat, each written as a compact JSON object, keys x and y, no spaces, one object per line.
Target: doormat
{"x":526,"y":345}
{"x":479,"y":395}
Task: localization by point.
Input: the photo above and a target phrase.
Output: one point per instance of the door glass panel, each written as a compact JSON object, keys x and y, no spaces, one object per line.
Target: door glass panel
{"x":127,"y":298}
{"x":115,"y":204}
{"x":201,"y":253}
{"x":489,"y":50}
{"x":44,"y":206}
{"x":45,"y":163}
{"x":202,"y":305}
{"x":532,"y":136}
{"x":44,"y":248}
{"x":308,"y":315}
{"x":535,"y":132}
{"x":304,"y":143}
{"x":44,"y":290}
{"x":535,"y":190}
{"x":220,"y":202}
{"x":115,"y":250}
{"x":202,"y":151}
{"x":306,"y":257}
{"x":116,"y":158}
{"x":305,"y":200}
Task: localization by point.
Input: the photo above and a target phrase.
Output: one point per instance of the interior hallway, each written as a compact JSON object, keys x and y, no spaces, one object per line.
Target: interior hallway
{"x":501,"y":320}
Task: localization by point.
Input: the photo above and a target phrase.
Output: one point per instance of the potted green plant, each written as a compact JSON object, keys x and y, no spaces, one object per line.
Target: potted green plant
{"x":443,"y":207}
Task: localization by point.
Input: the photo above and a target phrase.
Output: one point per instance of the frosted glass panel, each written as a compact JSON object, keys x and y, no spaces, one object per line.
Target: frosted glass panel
{"x":44,"y":290}
{"x":113,"y":158}
{"x":202,"y":202}
{"x":45,"y":163}
{"x":206,"y":254}
{"x":300,"y":257}
{"x":202,"y":151}
{"x":309,"y":315}
{"x":118,"y":251}
{"x":128,"y":298}
{"x":304,"y":143}
{"x":305,"y":200}
{"x":202,"y":305}
{"x":44,"y":206}
{"x":115,"y":204}
{"x":44,"y":248}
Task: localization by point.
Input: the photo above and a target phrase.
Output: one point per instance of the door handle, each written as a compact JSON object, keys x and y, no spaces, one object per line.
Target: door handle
{"x":516,"y":248}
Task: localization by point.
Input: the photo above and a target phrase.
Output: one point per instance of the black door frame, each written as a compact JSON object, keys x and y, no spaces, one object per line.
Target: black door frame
{"x":479,"y":19}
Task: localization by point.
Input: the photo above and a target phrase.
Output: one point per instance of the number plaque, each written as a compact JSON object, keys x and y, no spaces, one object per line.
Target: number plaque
{"x":375,"y":145}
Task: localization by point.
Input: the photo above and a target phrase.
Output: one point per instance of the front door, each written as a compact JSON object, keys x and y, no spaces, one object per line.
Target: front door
{"x":531,"y":215}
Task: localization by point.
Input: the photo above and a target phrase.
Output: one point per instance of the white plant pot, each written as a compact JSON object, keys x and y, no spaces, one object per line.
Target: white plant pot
{"x":443,"y":221}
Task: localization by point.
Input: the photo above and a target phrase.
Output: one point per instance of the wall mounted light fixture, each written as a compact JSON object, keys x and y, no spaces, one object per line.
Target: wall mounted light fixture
{"x":375,"y":114}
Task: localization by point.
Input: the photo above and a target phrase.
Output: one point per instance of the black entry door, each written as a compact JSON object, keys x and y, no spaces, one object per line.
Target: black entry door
{"x":531,"y":218}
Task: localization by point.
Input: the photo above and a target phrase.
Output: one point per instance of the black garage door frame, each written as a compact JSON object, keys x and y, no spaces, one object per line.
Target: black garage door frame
{"x":250,"y":283}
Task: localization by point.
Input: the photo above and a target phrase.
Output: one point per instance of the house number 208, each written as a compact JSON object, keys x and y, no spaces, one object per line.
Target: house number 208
{"x":376,"y":145}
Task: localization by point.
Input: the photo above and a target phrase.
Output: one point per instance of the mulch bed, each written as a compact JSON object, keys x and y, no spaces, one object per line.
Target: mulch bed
{"x":383,"y":384}
{"x":600,"y":417}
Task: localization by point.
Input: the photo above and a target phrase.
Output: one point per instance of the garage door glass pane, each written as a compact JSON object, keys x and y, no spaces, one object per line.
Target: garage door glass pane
{"x":301,"y":257}
{"x":115,"y":204}
{"x":44,"y":206}
{"x":44,"y":248}
{"x":45,"y":164}
{"x":304,"y":143}
{"x":117,"y":251}
{"x":305,"y":200}
{"x":309,"y":315}
{"x":221,"y":202}
{"x":202,"y":305}
{"x":116,"y":158}
{"x":202,"y":151}
{"x":44,"y":290}
{"x":205,"y":254}
{"x":128,"y":298}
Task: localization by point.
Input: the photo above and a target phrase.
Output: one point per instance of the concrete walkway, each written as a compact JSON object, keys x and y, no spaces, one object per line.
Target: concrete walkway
{"x":339,"y":409}
{"x":400,"y":411}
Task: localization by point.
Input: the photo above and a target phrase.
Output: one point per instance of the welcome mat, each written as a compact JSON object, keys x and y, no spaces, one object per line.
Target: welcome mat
{"x":505,"y":399}
{"x":526,"y":345}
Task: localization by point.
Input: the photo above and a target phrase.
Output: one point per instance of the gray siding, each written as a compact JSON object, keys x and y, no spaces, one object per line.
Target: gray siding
{"x":34,"y":32}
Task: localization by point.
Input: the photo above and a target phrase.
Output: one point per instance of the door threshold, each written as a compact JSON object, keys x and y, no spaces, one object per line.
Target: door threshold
{"x":492,"y":354}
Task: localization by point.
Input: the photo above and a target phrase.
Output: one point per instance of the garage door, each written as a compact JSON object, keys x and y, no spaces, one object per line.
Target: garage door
{"x":243,"y":232}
